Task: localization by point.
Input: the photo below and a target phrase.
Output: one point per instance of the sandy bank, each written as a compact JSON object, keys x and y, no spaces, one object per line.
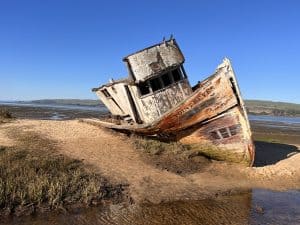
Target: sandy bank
{"x":115,"y":157}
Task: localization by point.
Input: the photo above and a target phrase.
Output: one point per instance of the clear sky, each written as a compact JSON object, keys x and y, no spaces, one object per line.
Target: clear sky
{"x":63,"y":48}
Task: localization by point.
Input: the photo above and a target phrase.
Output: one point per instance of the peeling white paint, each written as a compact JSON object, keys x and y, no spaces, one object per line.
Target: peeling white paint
{"x":154,"y":60}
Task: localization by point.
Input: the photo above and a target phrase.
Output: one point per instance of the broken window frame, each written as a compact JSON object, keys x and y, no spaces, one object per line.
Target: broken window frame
{"x":178,"y":74}
{"x":225,"y":132}
{"x":167,"y":79}
{"x":160,"y":82}
{"x":144,"y":88}
{"x":156,"y":84}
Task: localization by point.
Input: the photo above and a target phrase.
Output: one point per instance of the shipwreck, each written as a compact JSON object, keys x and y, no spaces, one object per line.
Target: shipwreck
{"x":156,"y":99}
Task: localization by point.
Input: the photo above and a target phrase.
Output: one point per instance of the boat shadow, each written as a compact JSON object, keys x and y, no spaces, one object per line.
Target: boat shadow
{"x":268,"y":153}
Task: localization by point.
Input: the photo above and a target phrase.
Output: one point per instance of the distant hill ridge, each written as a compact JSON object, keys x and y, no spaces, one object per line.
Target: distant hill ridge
{"x":256,"y":107}
{"x":260,"y":107}
{"x":79,"y":102}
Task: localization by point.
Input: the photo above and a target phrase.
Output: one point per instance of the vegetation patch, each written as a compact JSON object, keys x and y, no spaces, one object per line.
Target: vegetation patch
{"x":157,"y":147}
{"x":33,"y":177}
{"x":279,"y":137}
{"x":31,"y":180}
{"x":5,"y":115}
{"x":79,"y":102}
{"x":171,"y":156}
{"x":258,"y":107}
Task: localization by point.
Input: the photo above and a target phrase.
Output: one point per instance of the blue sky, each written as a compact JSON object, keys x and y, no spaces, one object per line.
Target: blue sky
{"x":61,"y":48}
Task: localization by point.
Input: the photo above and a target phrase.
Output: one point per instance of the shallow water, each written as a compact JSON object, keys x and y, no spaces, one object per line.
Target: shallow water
{"x":252,"y":207}
{"x":278,"y":119}
{"x":54,"y":106}
{"x":276,"y":123}
{"x":53,"y":112}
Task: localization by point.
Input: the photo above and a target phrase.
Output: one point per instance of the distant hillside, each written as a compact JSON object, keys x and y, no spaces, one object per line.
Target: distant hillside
{"x":80,"y":102}
{"x":258,"y":107}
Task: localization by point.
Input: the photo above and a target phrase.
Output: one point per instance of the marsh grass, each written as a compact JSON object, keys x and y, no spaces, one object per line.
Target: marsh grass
{"x":31,"y":178}
{"x":171,"y":156}
{"x":34,"y":175}
{"x":157,"y":147}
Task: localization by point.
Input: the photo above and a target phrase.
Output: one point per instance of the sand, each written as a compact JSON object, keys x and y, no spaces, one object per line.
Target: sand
{"x":114,"y":156}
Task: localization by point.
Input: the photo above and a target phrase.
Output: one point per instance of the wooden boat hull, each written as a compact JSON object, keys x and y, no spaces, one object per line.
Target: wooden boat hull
{"x":222,"y":138}
{"x":212,"y":120}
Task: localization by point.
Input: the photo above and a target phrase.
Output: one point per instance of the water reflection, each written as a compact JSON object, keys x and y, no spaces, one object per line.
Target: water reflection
{"x":280,"y":119}
{"x":253,"y":208}
{"x":278,"y":207}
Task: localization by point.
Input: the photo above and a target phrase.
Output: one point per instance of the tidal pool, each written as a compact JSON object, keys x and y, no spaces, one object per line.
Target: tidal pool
{"x":252,"y":207}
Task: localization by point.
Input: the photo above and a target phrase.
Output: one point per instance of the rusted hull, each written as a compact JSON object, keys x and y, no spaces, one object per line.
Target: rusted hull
{"x":222,"y":138}
{"x":212,"y":121}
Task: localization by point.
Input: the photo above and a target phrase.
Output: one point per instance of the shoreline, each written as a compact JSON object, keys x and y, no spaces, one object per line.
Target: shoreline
{"x":150,"y":175}
{"x":17,"y":108}
{"x":151,"y":172}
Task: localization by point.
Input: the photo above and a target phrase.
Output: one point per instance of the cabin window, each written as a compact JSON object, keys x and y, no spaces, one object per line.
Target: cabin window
{"x":225,"y":132}
{"x":106,"y":93}
{"x":176,"y":75}
{"x":156,"y":84}
{"x":160,"y":82}
{"x":144,"y":88}
{"x":215,"y":135}
{"x":166,"y":79}
{"x":234,"y":129}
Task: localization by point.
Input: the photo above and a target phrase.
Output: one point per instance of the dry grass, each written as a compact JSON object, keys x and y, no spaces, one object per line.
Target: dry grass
{"x":171,"y":156}
{"x":33,"y":174}
{"x":28,"y":177}
{"x":32,"y":178}
{"x":5,"y":115}
{"x":157,"y":147}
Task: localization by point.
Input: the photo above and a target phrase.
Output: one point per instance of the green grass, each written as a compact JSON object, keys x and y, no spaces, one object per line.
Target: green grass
{"x":271,"y":104}
{"x":277,"y":138}
{"x":185,"y":152}
{"x":34,"y":178}
{"x":272,"y":108}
